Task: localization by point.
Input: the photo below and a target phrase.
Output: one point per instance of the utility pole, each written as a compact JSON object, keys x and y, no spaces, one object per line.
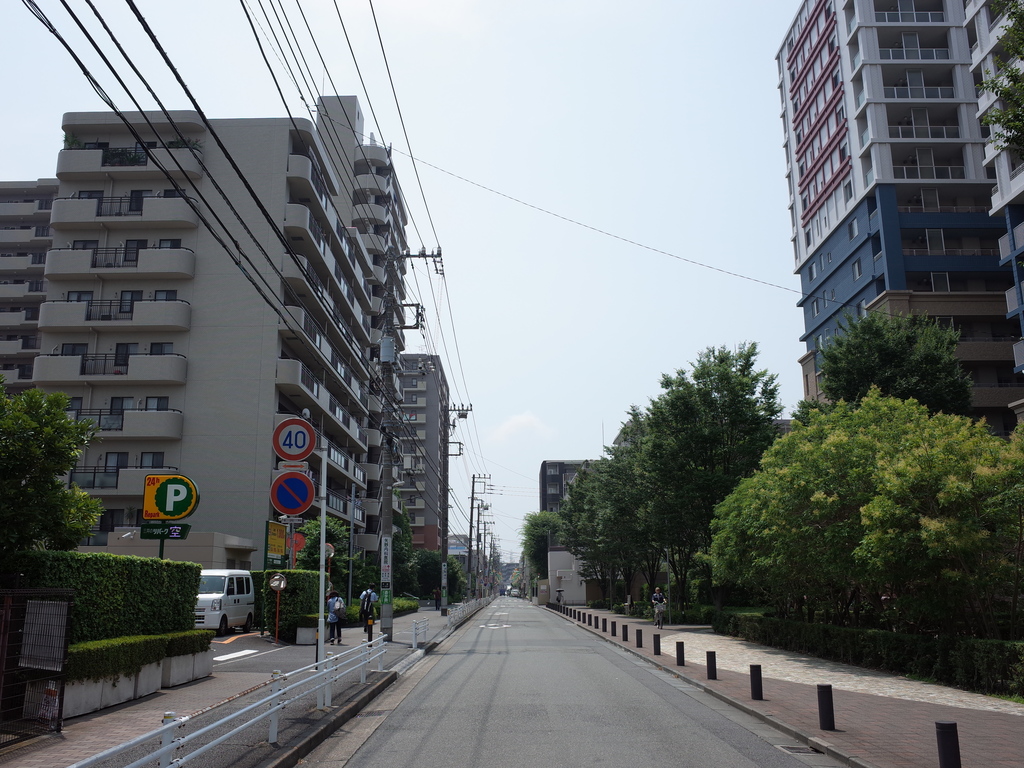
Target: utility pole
{"x":472,"y":507}
{"x":452,"y":416}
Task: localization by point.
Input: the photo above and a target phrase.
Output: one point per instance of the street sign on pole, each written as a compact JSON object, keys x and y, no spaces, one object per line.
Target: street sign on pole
{"x":294,"y":439}
{"x":168,"y":497}
{"x":164,"y":530}
{"x":292,"y":493}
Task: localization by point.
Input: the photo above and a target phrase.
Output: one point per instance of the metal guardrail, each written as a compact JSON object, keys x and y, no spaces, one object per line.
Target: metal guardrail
{"x":463,"y":611}
{"x":282,"y":695}
{"x":418,"y":627}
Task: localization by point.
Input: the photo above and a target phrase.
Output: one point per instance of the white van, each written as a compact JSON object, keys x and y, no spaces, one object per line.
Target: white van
{"x":226,"y":600}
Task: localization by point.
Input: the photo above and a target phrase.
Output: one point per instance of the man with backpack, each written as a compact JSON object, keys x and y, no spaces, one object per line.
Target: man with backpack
{"x":366,"y":611}
{"x":335,"y":616}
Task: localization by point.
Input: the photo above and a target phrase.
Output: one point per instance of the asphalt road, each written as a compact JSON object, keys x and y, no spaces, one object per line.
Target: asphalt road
{"x":518,"y":685}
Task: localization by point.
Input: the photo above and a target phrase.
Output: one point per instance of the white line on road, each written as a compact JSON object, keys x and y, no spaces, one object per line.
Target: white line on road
{"x":236,"y":655}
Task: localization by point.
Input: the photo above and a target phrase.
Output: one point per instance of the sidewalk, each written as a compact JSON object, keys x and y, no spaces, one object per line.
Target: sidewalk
{"x":88,"y":735}
{"x":882,"y":720}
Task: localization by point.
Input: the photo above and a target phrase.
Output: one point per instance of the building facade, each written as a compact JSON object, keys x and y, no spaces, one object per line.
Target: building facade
{"x":555,"y":477}
{"x":187,"y":309}
{"x":890,"y":183}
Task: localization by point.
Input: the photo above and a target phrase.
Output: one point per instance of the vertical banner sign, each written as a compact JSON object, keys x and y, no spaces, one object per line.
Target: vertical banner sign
{"x":385,"y":569}
{"x":444,"y":582}
{"x":277,"y":546}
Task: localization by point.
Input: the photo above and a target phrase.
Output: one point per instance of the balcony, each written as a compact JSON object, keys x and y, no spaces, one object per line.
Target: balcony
{"x":141,"y":315}
{"x":914,"y":54}
{"x":69,"y":370}
{"x":910,"y":17}
{"x":22,"y":262}
{"x":294,"y":378}
{"x":372,"y":183}
{"x":115,"y":481}
{"x":127,"y":163}
{"x":123,"y":213}
{"x":928,"y":172}
{"x":919,"y":92}
{"x":18,"y":289}
{"x":370,"y":213}
{"x":24,"y":346}
{"x":375,"y":154}
{"x":134,"y":424}
{"x":924,"y":131}
{"x":78,"y":263}
{"x":21,"y":320}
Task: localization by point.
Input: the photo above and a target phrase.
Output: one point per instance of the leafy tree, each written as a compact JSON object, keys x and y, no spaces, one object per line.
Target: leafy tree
{"x":1007,"y":82}
{"x":704,"y":434}
{"x":456,"y":580}
{"x":308,"y":558}
{"x":539,"y":530}
{"x":38,"y":445}
{"x":427,"y":568}
{"x":883,"y":505}
{"x":905,"y":356}
{"x":403,"y":574}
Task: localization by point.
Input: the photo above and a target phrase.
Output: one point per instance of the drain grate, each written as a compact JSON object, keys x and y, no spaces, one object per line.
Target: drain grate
{"x":798,"y":749}
{"x":374,"y":713}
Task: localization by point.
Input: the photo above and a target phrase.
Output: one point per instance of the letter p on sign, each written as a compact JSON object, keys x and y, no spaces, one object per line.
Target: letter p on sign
{"x":169,"y":497}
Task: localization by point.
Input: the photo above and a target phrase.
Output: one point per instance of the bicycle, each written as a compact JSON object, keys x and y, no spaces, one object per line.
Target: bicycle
{"x":659,"y":615}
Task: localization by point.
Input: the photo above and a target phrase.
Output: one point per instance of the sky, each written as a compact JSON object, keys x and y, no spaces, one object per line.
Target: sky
{"x":606,"y":181}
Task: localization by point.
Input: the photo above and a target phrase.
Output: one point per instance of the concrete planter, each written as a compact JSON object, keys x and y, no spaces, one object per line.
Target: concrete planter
{"x":305,"y":636}
{"x":178,"y":670}
{"x":148,"y":680}
{"x":82,"y":697}
{"x":117,"y":691}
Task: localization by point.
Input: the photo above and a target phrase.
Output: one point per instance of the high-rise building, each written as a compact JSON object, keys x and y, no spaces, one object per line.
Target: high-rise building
{"x":984,"y":30}
{"x":188,"y":334}
{"x":555,"y":477}
{"x":889,"y":191}
{"x":425,"y":414}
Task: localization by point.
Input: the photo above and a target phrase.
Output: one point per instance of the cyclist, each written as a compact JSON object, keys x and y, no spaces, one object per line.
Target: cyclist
{"x":659,"y":603}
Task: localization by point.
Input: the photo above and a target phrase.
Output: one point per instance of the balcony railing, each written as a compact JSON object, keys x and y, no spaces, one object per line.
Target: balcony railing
{"x":104,"y":477}
{"x":121,"y":156}
{"x":924,"y":131}
{"x":928,"y":172}
{"x":950,"y":251}
{"x":115,"y":257}
{"x":914,"y":54}
{"x":942,"y":209}
{"x":910,"y":17}
{"x":920,"y":92}
{"x":108,"y":419}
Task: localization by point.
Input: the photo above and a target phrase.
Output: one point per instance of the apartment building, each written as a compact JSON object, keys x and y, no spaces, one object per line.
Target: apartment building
{"x":890,"y":183}
{"x":985,"y":29}
{"x":426,"y":417}
{"x":555,"y":477}
{"x":188,"y":334}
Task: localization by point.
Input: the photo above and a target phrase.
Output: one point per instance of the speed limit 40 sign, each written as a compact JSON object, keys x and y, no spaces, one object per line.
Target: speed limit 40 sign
{"x":294,"y":439}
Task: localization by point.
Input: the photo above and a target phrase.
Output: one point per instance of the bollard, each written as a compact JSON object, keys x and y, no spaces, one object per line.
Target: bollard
{"x":604,"y":624}
{"x":590,"y":619}
{"x":639,"y":638}
{"x":756,"y":692}
{"x":680,"y":653}
{"x":625,"y":633}
{"x":613,"y":629}
{"x":656,"y":640}
{"x":712,"y":666}
{"x":826,"y":712}
{"x":949,"y":744}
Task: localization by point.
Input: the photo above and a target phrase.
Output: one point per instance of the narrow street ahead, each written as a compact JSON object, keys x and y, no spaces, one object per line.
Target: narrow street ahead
{"x":521,"y":686}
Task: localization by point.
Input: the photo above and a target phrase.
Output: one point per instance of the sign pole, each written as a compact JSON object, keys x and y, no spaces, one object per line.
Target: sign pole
{"x":321,"y":628}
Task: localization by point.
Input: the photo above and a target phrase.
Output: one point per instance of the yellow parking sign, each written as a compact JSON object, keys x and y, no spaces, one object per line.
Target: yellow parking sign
{"x":169,"y":497}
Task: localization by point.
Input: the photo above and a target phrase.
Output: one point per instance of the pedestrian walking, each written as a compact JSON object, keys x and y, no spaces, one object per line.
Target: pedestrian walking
{"x":437,"y":598}
{"x":335,"y":616}
{"x":366,"y":613}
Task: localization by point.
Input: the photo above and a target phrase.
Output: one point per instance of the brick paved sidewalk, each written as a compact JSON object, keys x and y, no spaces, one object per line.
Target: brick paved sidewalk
{"x":881,"y":720}
{"x":88,"y":735}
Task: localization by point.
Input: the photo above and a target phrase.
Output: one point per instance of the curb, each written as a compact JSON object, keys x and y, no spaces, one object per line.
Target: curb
{"x":813,"y":741}
{"x":291,"y":756}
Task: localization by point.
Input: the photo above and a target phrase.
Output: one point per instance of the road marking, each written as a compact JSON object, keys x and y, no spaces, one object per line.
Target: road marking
{"x":235,"y":655}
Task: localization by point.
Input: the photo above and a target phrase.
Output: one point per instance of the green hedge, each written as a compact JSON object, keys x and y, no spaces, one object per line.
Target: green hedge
{"x":298,"y":599}
{"x":985,"y":666}
{"x":125,"y":656}
{"x":399,"y":607}
{"x":115,"y":595}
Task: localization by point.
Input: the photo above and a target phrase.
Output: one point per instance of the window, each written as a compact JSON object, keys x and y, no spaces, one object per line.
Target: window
{"x":857,"y":269}
{"x":79,"y":295}
{"x":90,"y":194}
{"x":156,"y":403}
{"x":940,"y":282}
{"x":815,"y":308}
{"x":152,"y":459}
{"x":135,"y":198}
{"x":74,"y":349}
{"x":171,"y":243}
{"x":552,"y":487}
{"x":74,"y":406}
{"x":161,"y":348}
{"x":85,"y":245}
{"x":132,"y":248}
{"x":852,"y":229}
{"x":128,"y":299}
{"x":552,"y":469}
{"x":812,"y":271}
{"x":121,"y":404}
{"x":848,"y":191}
{"x":165,"y":295}
{"x":862,"y":308}
{"x":172,"y":193}
{"x":115,"y":460}
{"x":123,"y":351}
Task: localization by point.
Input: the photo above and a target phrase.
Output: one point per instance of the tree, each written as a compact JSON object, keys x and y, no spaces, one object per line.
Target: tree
{"x":704,"y":434}
{"x":308,"y":558}
{"x":1007,"y":82}
{"x":39,"y":444}
{"x":880,"y":505}
{"x":539,"y":530}
{"x":905,"y":356}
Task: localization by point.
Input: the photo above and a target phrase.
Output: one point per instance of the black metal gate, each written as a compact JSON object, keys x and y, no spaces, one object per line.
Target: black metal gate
{"x":34,"y":628}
